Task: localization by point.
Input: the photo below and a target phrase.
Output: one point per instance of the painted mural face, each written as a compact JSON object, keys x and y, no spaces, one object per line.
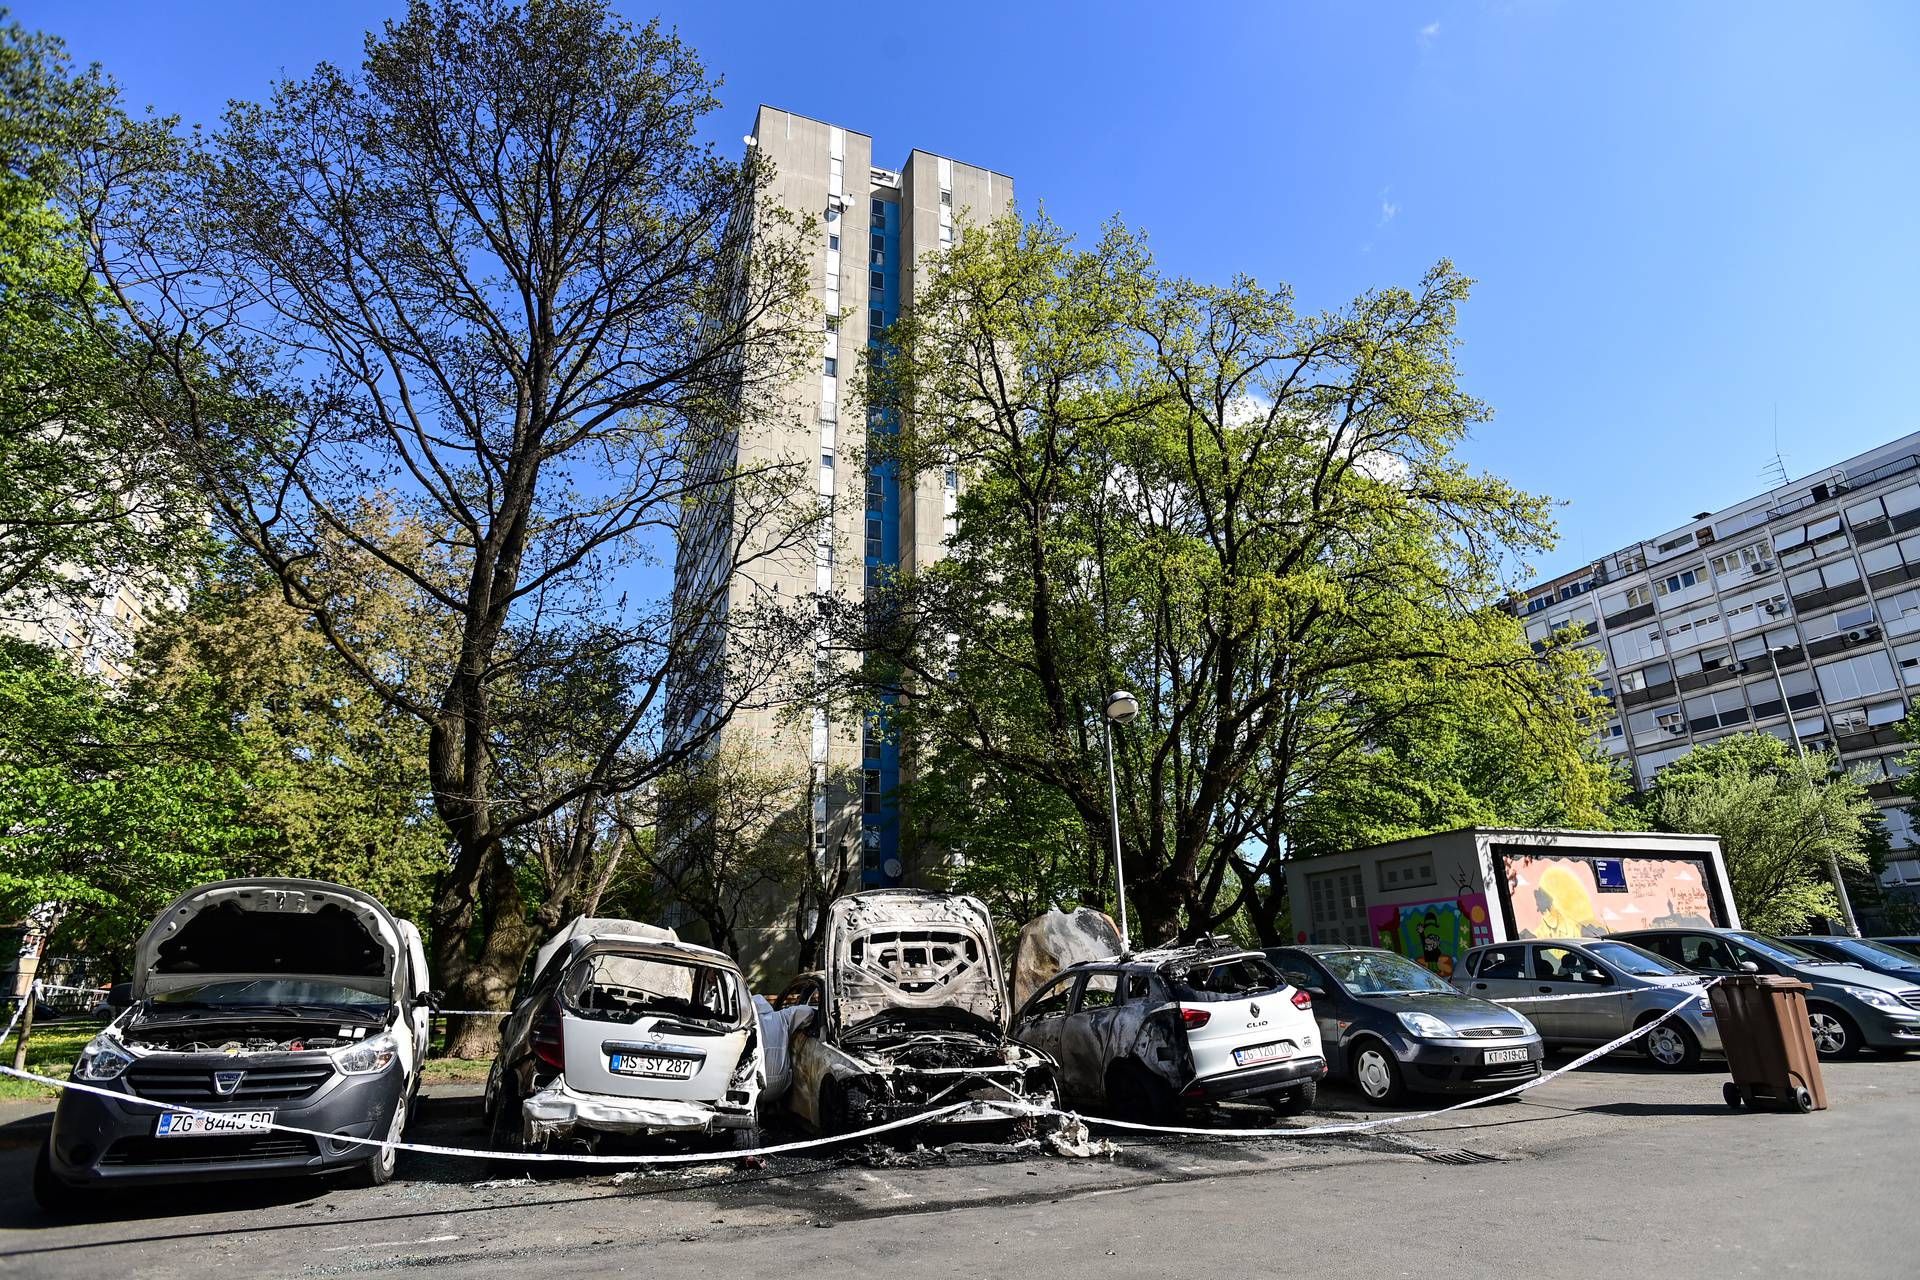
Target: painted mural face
{"x":1433,"y":935}
{"x":1560,"y":897}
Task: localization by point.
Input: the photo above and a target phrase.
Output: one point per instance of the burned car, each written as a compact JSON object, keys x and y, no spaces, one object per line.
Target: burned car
{"x":621,"y":1028}
{"x":1148,"y":1033}
{"x":909,"y":1016}
{"x":288,"y":1002}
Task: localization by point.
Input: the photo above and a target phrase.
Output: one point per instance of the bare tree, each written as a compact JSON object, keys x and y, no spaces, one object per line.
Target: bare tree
{"x":496,"y":274}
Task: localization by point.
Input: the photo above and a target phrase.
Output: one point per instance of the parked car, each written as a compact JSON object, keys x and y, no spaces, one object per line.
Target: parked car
{"x":264,"y":1001}
{"x":620,"y":1027}
{"x":114,"y":1001}
{"x":1910,"y":945}
{"x":1392,"y":1027}
{"x":1848,"y":1008}
{"x":1638,"y":987}
{"x":910,"y":1015}
{"x":1888,"y":961}
{"x":1144,"y":1035}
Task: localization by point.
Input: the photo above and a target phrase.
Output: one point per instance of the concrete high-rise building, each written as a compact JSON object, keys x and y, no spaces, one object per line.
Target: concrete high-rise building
{"x":876,"y":232}
{"x":1802,"y":600}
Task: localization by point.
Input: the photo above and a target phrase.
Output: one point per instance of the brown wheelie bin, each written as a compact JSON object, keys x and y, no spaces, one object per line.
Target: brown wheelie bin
{"x":1763,"y":1027}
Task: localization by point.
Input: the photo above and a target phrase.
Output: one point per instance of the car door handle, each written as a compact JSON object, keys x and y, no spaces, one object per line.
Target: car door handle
{"x":1546,"y":991}
{"x":1479,"y":986}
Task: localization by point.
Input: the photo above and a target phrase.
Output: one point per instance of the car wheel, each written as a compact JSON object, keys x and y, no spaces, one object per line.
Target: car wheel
{"x":1834,"y":1034}
{"x":1671,"y":1045}
{"x":505,"y":1126}
{"x":1137,"y":1094}
{"x":378,"y":1172}
{"x":1297,"y":1099}
{"x":49,"y":1192}
{"x":1376,"y":1073}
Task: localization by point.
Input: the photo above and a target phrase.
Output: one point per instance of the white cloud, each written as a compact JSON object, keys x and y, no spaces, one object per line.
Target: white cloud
{"x":1429,"y":31}
{"x":1388,"y":212}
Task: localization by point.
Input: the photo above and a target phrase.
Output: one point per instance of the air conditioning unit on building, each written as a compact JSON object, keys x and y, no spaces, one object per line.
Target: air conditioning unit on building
{"x":1676,"y":728}
{"x":1775,"y":607}
{"x":1859,"y":634}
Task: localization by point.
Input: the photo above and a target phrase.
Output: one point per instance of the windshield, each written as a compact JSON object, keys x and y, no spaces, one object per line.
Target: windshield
{"x":1380,"y":973}
{"x":1628,"y":958}
{"x":616,"y":987}
{"x":1873,"y":952}
{"x":254,"y":993}
{"x":1782,"y":951}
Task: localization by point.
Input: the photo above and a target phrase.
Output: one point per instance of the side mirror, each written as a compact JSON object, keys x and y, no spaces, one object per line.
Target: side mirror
{"x":1596,"y":977}
{"x":1748,"y":966}
{"x":430,"y":999}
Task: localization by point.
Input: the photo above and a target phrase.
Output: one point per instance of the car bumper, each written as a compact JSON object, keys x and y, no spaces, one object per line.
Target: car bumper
{"x":99,"y":1140}
{"x":1461,"y":1066}
{"x":559,"y":1110}
{"x":1268,"y":1078}
{"x":1886,"y":1028}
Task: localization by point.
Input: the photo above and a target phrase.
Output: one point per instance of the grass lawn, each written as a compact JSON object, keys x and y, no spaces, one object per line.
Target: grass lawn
{"x":51,"y":1051}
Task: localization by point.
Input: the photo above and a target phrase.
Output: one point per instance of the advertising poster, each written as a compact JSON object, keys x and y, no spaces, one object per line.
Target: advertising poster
{"x":1432,"y":934}
{"x":1561,"y":897}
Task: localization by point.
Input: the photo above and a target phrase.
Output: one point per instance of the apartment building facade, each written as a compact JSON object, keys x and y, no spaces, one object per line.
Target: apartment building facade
{"x":1803,"y":601}
{"x":875,"y":232}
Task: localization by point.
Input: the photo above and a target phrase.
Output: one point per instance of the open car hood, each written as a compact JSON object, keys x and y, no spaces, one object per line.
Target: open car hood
{"x":906,"y":949}
{"x":238,"y":929}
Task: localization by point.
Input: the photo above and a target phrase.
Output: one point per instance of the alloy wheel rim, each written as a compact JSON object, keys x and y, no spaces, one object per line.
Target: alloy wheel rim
{"x":1666,"y":1046}
{"x":388,"y":1156}
{"x":1375,"y":1075}
{"x":1828,"y":1035}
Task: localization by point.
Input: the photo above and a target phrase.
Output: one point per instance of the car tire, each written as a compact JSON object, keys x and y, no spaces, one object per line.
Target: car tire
{"x":1835,"y":1035}
{"x":1671,"y":1046}
{"x":1301,"y":1097}
{"x":504,"y":1125}
{"x":1376,"y":1073}
{"x":49,"y":1192}
{"x":1137,"y":1094}
{"x":747,"y":1139}
{"x":378,"y":1172}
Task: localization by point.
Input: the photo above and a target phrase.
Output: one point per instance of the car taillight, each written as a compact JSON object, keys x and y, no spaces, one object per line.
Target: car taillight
{"x":1301,"y":1000}
{"x":549,"y":1036}
{"x":1195,"y":1017}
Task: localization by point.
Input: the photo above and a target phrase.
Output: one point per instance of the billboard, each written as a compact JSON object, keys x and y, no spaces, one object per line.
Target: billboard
{"x":1586,"y":897}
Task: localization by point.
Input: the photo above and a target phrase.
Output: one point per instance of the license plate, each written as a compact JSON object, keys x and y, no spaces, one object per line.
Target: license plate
{"x":176,"y":1125}
{"x":1506,"y":1055}
{"x":646,"y":1064}
{"x":1262,"y":1053}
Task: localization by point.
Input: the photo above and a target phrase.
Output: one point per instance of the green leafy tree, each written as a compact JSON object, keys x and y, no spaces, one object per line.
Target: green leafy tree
{"x":496,"y":273}
{"x":1781,"y":823}
{"x":90,"y":492}
{"x":114,"y":801}
{"x":1251,"y":516}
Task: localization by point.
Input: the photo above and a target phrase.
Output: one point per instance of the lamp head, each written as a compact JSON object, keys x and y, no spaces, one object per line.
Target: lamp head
{"x":1122,"y":707}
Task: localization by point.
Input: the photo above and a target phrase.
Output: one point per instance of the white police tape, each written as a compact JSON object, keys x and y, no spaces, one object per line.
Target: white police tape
{"x":1009,"y":1110}
{"x":1691,"y":987}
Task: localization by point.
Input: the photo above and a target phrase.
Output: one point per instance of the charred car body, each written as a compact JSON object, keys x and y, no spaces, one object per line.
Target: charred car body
{"x":909,"y":1015}
{"x":622,"y":1028}
{"x":291,"y":1002}
{"x":1149,"y":1033}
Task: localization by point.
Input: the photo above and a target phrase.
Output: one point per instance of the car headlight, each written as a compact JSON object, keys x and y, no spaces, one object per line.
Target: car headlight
{"x":370,"y":1055}
{"x":1426,"y":1026}
{"x":104,"y":1058}
{"x":1527,"y":1024}
{"x":1877,"y":998}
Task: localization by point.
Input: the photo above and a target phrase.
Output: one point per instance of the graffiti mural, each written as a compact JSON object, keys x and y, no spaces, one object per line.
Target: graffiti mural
{"x":1433,"y":934}
{"x":1562,"y":898}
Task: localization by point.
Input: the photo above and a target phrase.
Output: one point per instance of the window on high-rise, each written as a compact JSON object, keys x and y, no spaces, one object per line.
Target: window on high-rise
{"x":833,"y":242}
{"x":876,"y":319}
{"x":879,"y":213}
{"x":832,"y":367}
{"x":877,"y":279}
{"x":946,"y":197}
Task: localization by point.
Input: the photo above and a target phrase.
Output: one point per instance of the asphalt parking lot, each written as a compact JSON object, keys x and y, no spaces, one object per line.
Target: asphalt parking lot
{"x":1614,"y":1167}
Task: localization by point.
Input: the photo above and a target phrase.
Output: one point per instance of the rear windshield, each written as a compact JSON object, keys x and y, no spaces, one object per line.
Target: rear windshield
{"x":1225,"y":979}
{"x":614,"y":987}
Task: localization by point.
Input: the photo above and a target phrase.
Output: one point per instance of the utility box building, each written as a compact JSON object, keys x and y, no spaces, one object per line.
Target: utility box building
{"x":1432,"y":897}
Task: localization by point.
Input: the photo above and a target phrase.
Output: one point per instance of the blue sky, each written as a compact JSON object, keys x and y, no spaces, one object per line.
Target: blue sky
{"x":1685,"y":219}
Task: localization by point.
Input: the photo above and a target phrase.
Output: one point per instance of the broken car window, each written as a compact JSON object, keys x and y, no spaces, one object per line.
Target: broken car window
{"x":1052,"y":1002}
{"x":625,"y":988}
{"x":1101,"y":992}
{"x":1232,"y":979}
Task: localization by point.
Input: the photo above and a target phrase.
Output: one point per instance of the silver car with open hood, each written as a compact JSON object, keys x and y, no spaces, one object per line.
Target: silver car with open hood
{"x":266,"y":1002}
{"x":909,"y":1015}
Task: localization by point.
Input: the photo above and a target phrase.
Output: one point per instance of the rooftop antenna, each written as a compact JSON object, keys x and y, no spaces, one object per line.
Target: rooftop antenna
{"x":1776,"y":470}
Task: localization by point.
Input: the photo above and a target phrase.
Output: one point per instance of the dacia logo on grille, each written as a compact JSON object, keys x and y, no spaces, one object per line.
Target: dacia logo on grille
{"x":225,"y":1082}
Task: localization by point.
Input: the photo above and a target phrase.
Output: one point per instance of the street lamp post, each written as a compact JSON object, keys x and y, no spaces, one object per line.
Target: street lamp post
{"x":1122,"y":707}
{"x":1793,"y":728}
